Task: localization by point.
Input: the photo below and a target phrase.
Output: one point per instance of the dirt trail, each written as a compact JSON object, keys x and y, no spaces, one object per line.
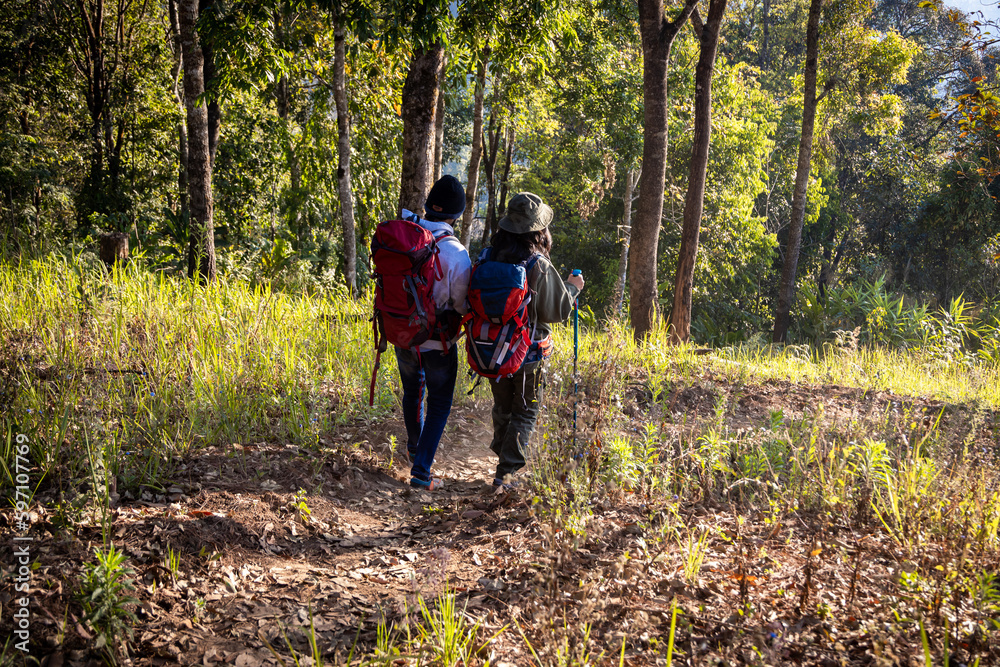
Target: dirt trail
{"x":464,"y":454}
{"x":254,"y":557}
{"x":265,"y":533}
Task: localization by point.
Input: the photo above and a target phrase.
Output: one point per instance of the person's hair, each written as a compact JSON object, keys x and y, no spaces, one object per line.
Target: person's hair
{"x":513,"y":248}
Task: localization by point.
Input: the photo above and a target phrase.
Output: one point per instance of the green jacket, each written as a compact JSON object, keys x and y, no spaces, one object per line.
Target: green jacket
{"x":552,"y":298}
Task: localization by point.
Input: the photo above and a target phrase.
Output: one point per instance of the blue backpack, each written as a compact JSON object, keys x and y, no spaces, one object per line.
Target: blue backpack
{"x":498,"y":330}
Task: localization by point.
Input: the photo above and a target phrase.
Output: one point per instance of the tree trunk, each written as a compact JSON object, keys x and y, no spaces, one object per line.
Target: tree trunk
{"x":199,"y":166}
{"x":214,"y":111}
{"x":184,"y":210}
{"x":766,"y":26}
{"x":420,"y":98}
{"x":504,"y":180}
{"x":618,"y":297}
{"x":657,"y":37}
{"x":439,"y":126}
{"x":493,"y":136}
{"x":114,"y":248}
{"x":694,"y":202}
{"x":283,"y":102}
{"x":472,"y":184}
{"x":115,"y":142}
{"x":182,"y":140}
{"x":828,"y":272}
{"x":786,"y":287}
{"x":91,"y":62}
{"x":345,"y":194}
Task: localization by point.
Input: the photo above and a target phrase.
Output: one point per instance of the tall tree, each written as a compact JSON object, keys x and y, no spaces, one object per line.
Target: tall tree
{"x":786,"y":288}
{"x":101,"y":37}
{"x":694,"y":201}
{"x":177,"y":88}
{"x":211,"y":82}
{"x":509,"y":39}
{"x":285,"y":91}
{"x":420,"y":98}
{"x":425,"y":25}
{"x":492,"y":140}
{"x":476,"y":154}
{"x":199,"y":166}
{"x":765,"y":24}
{"x":501,"y":207}
{"x":439,"y":112}
{"x":618,"y":296}
{"x":658,"y":36}
{"x":346,"y":194}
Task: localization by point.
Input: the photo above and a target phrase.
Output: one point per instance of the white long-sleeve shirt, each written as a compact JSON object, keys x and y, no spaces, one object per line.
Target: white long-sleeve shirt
{"x":449,"y":292}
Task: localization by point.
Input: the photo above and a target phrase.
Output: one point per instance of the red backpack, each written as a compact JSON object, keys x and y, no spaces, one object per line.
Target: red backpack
{"x":498,"y":329}
{"x":405,"y":257}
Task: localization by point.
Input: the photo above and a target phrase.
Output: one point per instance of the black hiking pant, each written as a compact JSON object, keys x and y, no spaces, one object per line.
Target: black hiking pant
{"x":516,"y":401}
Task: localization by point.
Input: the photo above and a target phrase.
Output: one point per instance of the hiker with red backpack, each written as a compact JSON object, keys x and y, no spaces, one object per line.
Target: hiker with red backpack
{"x":422,"y":275}
{"x":514,"y":295}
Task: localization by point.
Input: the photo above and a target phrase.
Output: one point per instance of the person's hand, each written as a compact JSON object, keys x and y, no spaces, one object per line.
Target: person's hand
{"x":576,"y":281}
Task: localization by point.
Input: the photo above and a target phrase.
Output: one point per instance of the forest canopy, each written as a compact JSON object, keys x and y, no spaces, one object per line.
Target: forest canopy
{"x":304,"y":124}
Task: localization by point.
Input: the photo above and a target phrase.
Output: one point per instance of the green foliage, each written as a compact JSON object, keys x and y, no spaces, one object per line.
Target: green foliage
{"x":954,"y":237}
{"x":445,"y":636}
{"x":104,"y":596}
{"x":735,"y":246}
{"x":565,"y":79}
{"x":870,"y":315}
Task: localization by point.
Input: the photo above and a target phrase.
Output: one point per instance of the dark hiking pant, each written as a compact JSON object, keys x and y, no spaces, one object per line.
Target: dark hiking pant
{"x":516,"y":401}
{"x":432,"y":374}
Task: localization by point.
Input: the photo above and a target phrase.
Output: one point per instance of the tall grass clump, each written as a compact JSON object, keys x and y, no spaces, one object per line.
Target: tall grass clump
{"x":159,"y":365}
{"x":892,"y":442}
{"x":900,"y":469}
{"x":956,"y":331}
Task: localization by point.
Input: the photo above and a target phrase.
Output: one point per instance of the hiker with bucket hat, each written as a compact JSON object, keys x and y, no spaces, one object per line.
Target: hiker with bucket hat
{"x":523,"y":238}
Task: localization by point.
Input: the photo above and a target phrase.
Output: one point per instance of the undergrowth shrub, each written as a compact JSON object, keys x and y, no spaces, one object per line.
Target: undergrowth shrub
{"x":105,"y":597}
{"x":959,"y":331}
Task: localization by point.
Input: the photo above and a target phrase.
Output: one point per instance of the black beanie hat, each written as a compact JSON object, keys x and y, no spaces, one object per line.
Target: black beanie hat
{"x":446,"y":199}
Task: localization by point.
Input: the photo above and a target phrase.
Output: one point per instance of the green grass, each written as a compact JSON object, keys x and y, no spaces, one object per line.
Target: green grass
{"x":159,"y":365}
{"x":900,"y":371}
{"x":116,"y":377}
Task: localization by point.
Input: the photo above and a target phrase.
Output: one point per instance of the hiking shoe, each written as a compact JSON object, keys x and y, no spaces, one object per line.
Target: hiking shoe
{"x":432,"y":484}
{"x":499,"y":484}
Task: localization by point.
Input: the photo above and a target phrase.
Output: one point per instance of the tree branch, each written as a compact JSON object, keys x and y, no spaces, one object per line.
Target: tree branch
{"x":671,"y":28}
{"x":696,"y":23}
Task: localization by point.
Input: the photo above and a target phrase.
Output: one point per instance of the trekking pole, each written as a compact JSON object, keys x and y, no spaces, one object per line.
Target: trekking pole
{"x":576,"y":354}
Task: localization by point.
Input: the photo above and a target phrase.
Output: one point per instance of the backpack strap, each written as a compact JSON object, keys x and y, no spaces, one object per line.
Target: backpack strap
{"x":378,"y":331}
{"x":529,"y":264}
{"x":415,"y":219}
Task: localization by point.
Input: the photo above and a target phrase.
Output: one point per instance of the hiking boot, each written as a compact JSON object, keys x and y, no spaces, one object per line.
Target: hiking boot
{"x":501,"y":486}
{"x":432,"y":484}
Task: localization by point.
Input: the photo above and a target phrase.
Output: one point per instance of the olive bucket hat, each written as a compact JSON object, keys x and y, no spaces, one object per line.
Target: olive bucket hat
{"x":526,"y":212}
